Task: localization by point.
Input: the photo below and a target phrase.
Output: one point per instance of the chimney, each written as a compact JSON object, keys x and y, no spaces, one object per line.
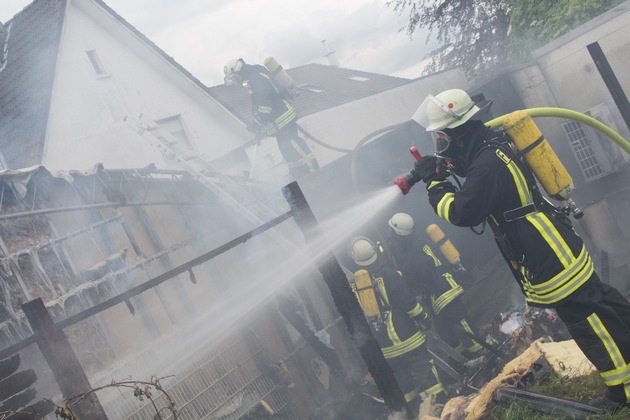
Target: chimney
{"x":330,"y":55}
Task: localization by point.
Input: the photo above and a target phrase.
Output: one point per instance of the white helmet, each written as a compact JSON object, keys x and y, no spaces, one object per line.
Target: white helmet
{"x":232,"y":66}
{"x":402,"y":224}
{"x":363,"y":251}
{"x":448,"y":109}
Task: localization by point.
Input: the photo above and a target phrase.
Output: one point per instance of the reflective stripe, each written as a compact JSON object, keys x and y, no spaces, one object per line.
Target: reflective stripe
{"x":391,"y":331}
{"x":520,"y":183}
{"x":412,"y":395}
{"x":445,"y":298}
{"x":427,"y":250}
{"x":306,"y":158}
{"x":563,"y":284}
{"x":417,"y":310}
{"x":621,"y":374}
{"x":475,"y":346}
{"x":437,"y":388}
{"x":549,"y":232}
{"x":403,"y":347}
{"x":444,"y":205}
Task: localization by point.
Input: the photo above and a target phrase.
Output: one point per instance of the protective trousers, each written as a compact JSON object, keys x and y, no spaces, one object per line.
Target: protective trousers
{"x":598,"y":318}
{"x":295,"y":152}
{"x":451,"y":324}
{"x":415,"y":373}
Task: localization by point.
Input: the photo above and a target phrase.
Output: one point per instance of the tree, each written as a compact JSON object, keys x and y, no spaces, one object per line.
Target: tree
{"x":472,"y":32}
{"x":484,"y":36}
{"x":535,"y":23}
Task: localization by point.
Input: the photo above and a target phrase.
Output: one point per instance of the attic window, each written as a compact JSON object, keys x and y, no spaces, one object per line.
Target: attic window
{"x":359,"y":78}
{"x":310,"y":88}
{"x":96,"y":63}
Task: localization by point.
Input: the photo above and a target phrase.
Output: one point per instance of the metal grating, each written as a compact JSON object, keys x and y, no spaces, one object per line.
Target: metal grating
{"x":226,"y":383}
{"x":583,"y":151}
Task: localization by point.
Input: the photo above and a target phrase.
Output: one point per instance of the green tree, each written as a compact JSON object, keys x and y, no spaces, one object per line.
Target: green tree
{"x":472,"y":33}
{"x":484,"y":36}
{"x":535,"y":23}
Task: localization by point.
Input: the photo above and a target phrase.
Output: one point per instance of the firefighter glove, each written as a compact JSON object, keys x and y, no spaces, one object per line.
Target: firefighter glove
{"x":427,"y":169}
{"x":424,"y":321}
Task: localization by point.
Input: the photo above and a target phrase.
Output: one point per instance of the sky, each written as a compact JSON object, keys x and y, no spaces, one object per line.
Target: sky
{"x":202,"y":35}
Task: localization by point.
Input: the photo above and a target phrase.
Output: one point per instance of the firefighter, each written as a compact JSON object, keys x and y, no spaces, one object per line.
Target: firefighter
{"x":274,"y":116}
{"x":547,"y":257}
{"x":431,"y":279}
{"x":397,"y":321}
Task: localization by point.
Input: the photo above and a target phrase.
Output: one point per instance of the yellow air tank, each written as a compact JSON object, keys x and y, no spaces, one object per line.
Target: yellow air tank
{"x":279,"y":74}
{"x":446,"y":247}
{"x":539,"y":155}
{"x":365,"y":292}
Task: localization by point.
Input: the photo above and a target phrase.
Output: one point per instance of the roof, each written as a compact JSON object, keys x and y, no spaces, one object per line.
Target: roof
{"x":320,"y":87}
{"x":26,"y":79}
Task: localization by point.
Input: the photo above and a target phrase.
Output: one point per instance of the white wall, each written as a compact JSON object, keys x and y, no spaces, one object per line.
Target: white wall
{"x":86,"y":120}
{"x":346,"y":125}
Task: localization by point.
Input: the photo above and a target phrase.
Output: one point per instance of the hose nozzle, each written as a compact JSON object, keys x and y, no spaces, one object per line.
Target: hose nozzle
{"x":405,"y":183}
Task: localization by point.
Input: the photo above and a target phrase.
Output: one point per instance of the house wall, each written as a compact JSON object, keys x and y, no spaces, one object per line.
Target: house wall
{"x":346,"y":125}
{"x":87,"y":111}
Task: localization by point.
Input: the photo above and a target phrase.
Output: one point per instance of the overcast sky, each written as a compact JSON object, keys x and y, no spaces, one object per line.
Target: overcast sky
{"x":203,"y":34}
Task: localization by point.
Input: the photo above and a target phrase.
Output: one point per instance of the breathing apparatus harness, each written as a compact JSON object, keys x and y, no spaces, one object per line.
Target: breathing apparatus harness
{"x":539,"y":203}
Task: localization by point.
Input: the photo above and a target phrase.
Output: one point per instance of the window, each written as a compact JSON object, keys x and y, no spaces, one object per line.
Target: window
{"x":583,"y":151}
{"x":310,"y":88}
{"x":175,"y":127}
{"x":96,"y":63}
{"x":359,"y":78}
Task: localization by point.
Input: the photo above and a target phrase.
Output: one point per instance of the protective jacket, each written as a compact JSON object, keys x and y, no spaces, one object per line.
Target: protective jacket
{"x":397,"y":333}
{"x":426,"y":274}
{"x":272,"y":111}
{"x":275,"y":116}
{"x":547,"y":257}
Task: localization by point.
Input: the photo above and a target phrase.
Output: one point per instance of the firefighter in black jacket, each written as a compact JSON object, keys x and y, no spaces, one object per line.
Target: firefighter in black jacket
{"x":547,"y":257}
{"x":273,"y":115}
{"x":429,"y":278}
{"x":396,"y":319}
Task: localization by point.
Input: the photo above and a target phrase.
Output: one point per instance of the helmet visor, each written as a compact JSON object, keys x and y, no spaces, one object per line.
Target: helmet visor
{"x":441,"y":141}
{"x":433,"y":115}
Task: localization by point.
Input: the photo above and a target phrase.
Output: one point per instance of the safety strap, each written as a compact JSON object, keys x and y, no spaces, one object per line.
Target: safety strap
{"x":519,"y":212}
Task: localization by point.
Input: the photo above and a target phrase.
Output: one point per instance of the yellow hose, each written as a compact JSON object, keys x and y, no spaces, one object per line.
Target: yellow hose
{"x":572,"y":115}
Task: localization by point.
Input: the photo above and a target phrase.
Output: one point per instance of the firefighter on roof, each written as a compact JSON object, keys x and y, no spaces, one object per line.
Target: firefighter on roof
{"x":274,"y":115}
{"x":430,"y":278}
{"x":547,"y":257}
{"x":397,"y":320}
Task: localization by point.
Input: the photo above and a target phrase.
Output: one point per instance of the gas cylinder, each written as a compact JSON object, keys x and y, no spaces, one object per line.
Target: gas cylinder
{"x":366,"y":294}
{"x":446,"y":247}
{"x":279,"y":74}
{"x":539,"y":155}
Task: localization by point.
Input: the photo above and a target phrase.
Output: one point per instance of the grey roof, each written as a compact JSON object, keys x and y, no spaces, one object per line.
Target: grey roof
{"x":336,"y":86}
{"x":26,"y":80}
